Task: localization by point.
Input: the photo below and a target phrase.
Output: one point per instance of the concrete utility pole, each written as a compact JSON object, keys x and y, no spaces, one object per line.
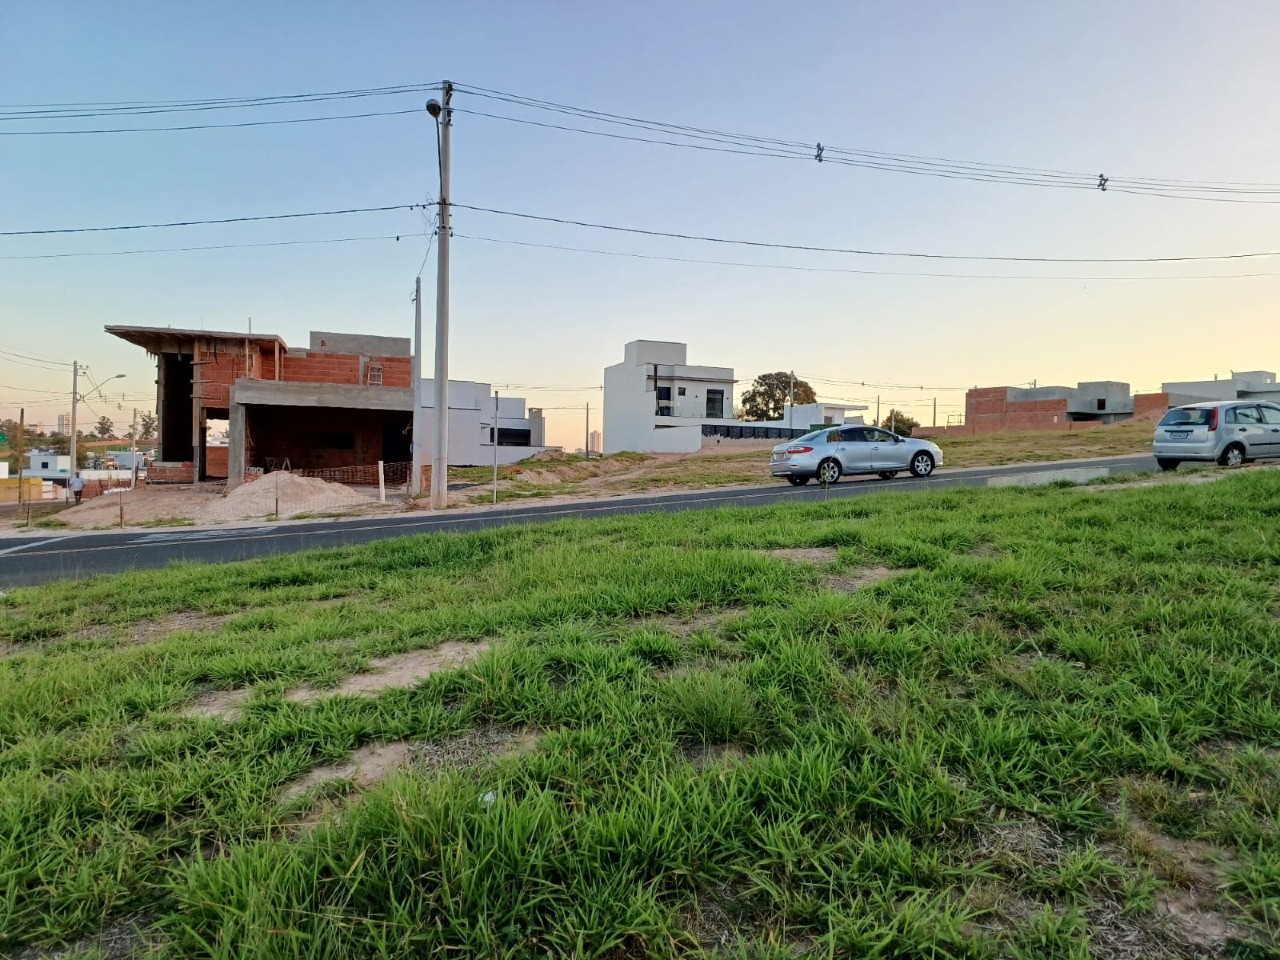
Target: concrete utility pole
{"x":133,"y":451}
{"x":586,"y":447}
{"x":416,"y":446}
{"x":75,"y":398}
{"x":443,"y":115}
{"x":791,"y":403}
{"x":935,"y":411}
{"x":877,"y":411}
{"x":22,"y":429}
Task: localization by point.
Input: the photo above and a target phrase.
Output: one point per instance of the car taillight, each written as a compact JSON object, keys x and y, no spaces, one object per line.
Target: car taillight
{"x":1213,"y":419}
{"x":799,"y":449}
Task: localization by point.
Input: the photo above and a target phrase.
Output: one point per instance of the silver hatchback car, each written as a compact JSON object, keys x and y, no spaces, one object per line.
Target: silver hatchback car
{"x":1230,"y":432}
{"x":832,"y":452}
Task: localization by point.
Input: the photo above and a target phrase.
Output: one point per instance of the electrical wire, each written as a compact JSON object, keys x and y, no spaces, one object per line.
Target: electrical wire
{"x":217,"y":246}
{"x":855,"y":251}
{"x":198,"y":223}
{"x":205,"y":126}
{"x":851,"y":270}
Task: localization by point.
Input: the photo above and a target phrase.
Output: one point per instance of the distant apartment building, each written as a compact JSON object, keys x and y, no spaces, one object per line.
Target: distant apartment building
{"x":593,"y":441}
{"x":64,"y":424}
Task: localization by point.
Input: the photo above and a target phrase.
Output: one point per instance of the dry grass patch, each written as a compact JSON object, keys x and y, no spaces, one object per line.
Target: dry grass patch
{"x":473,"y":748}
{"x":400,"y":670}
{"x":818,"y":555}
{"x":682,"y":626}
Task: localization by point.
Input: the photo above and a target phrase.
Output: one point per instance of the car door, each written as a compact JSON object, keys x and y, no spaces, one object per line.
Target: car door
{"x":886,"y":452}
{"x":854,"y":450}
{"x":1271,"y":428}
{"x":1244,"y":423}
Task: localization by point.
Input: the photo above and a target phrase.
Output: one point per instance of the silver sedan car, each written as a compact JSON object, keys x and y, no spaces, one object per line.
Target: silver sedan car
{"x":833,"y":452}
{"x":1230,"y":432}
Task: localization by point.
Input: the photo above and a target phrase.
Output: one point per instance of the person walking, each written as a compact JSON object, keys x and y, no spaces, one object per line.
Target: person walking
{"x":77,"y":485}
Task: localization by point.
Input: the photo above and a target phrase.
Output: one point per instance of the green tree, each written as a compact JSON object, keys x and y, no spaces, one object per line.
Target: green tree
{"x":769,"y":394}
{"x":147,"y":427}
{"x":105,"y":428}
{"x":900,"y":423}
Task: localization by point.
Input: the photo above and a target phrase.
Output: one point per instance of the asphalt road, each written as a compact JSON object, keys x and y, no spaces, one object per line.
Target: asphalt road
{"x":40,"y":559}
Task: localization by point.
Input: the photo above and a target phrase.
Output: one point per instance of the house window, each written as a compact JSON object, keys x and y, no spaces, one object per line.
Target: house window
{"x":1102,"y":404}
{"x":680,"y":391}
{"x":715,"y":404}
{"x":664,"y":393}
{"x":373,"y":377}
{"x":664,"y":409}
{"x":44,"y":464}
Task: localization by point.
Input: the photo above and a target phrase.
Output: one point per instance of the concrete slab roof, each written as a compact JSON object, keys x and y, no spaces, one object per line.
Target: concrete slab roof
{"x":173,"y":339}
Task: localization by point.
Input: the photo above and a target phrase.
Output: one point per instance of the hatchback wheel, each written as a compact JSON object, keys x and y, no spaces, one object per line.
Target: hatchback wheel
{"x":921,"y":464}
{"x":1166,"y":463}
{"x":1233,"y":456}
{"x":888,"y":474}
{"x":828,"y":472}
{"x":797,"y":481}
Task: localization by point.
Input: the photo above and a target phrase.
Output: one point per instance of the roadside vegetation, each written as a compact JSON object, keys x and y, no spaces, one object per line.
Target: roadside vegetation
{"x":1019,"y":723}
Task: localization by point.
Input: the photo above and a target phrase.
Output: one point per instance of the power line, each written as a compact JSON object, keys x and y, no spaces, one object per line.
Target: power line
{"x":217,"y":246}
{"x":855,"y":251}
{"x":205,"y":223}
{"x":882,"y":386}
{"x":851,"y":270}
{"x":205,"y":126}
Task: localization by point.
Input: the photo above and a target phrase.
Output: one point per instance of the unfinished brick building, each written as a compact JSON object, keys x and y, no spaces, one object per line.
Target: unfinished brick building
{"x":343,"y":401}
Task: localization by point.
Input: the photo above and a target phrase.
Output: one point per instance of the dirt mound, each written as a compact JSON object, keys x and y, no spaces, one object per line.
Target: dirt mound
{"x":284,"y":495}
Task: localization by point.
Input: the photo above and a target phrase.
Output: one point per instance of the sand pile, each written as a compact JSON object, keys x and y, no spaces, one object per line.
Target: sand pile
{"x":285,"y":494}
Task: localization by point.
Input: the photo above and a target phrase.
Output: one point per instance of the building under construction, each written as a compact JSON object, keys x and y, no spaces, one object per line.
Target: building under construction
{"x":345,"y":401}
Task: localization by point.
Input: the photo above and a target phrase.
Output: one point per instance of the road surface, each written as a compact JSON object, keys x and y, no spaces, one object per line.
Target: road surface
{"x":40,"y":559}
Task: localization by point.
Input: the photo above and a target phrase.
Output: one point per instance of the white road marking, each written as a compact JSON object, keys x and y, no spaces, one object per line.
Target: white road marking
{"x":27,"y":546}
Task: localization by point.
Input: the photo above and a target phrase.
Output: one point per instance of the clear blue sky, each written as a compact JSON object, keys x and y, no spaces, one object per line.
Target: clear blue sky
{"x":1158,"y":89}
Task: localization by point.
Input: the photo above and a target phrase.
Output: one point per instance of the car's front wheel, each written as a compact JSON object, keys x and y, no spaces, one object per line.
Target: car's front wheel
{"x":1233,"y":456}
{"x":888,"y":474}
{"x":1167,"y":463}
{"x":828,"y":472}
{"x":921,"y":464}
{"x":797,"y":481}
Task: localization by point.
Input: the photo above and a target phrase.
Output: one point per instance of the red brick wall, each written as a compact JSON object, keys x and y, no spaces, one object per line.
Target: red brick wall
{"x":396,"y":371}
{"x":159,"y":472}
{"x":1150,"y":403}
{"x":215,"y":462}
{"x":322,"y":368}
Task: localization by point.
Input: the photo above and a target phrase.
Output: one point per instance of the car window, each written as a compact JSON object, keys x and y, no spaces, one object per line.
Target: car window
{"x":835,"y":436}
{"x":1245,"y":415}
{"x":1270,"y":414}
{"x":854,"y":435}
{"x":1187,"y":417}
{"x":879,"y":436}
{"x":811,"y":436}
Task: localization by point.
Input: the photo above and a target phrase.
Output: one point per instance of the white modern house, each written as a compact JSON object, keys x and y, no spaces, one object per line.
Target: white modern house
{"x":810,"y":416}
{"x":1241,"y":385}
{"x":520,"y":432}
{"x":48,"y":466}
{"x":656,"y":402}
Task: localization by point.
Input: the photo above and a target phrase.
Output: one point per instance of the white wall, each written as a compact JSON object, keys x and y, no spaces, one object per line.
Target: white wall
{"x":471,"y":420}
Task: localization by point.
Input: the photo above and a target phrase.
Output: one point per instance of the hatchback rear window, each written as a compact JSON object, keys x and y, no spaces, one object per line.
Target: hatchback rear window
{"x":1193,"y":417}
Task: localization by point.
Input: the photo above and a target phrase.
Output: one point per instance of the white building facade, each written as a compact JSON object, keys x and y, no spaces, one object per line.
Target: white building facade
{"x":520,"y":432}
{"x":656,"y":402}
{"x":1242,"y":385}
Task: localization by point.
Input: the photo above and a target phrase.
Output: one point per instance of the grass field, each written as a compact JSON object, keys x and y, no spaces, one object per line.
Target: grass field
{"x":1038,"y":723}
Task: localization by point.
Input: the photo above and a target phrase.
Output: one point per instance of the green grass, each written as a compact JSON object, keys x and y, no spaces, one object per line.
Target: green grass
{"x":1060,"y":716}
{"x":166,"y":522}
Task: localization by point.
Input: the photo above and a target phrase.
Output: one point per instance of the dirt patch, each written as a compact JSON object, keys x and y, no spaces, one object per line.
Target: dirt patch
{"x":283,"y":494}
{"x":120,"y":940}
{"x":680,"y":626}
{"x":187,"y":621}
{"x":401,"y":670}
{"x":363,"y":768}
{"x":225,"y":704}
{"x":143,"y":505}
{"x":710,"y":754}
{"x":473,"y":748}
{"x":854,"y":580}
{"x":818,"y":555}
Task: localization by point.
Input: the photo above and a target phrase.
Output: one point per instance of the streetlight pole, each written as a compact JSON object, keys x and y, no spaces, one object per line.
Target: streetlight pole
{"x":416,"y":446}
{"x":443,"y":114}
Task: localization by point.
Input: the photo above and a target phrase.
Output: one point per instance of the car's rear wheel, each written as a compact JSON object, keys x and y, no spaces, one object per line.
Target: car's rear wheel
{"x":797,"y":481}
{"x":828,"y":472}
{"x":921,"y":464}
{"x":888,"y":474}
{"x":1166,"y":463}
{"x":1233,"y":456}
